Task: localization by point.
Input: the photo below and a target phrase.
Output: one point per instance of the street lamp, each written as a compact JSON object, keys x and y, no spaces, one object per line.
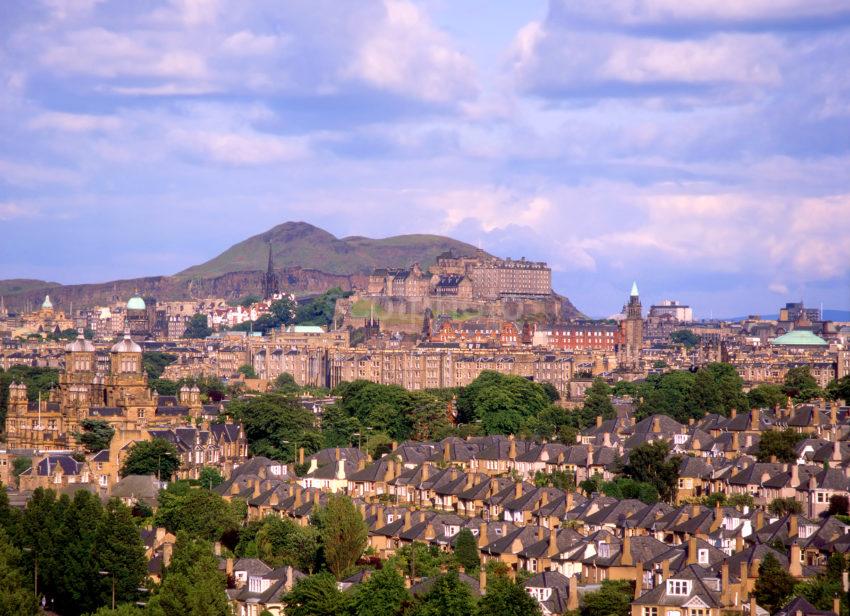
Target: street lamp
{"x":113,"y":585}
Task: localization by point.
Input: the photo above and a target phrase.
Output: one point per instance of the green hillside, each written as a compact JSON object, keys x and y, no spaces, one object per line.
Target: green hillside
{"x":301,"y":244}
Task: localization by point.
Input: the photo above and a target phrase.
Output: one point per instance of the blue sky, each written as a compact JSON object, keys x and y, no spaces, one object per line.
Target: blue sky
{"x":700,"y":147}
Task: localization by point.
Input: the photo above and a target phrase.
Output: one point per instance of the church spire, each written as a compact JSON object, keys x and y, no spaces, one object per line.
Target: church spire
{"x":634,"y":292}
{"x":270,"y":279}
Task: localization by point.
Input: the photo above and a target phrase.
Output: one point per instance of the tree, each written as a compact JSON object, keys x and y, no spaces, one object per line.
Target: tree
{"x":193,"y":583}
{"x":155,"y":362}
{"x":779,"y":443}
{"x":120,"y":551}
{"x":449,"y":596}
{"x":209,"y":477}
{"x":281,"y":541}
{"x":383,"y":594}
{"x":766,"y":395}
{"x":96,"y":435}
{"x":670,"y":394}
{"x":284,"y":310}
{"x":247,"y":370}
{"x":202,"y":514}
{"x":16,"y":594}
{"x":316,"y":595}
{"x":19,"y":465}
{"x":801,"y":385}
{"x":156,"y":457}
{"x":839,"y":389}
{"x":773,"y":585}
{"x":503,"y":403}
{"x":466,"y":550}
{"x":343,"y":533}
{"x":285,"y":384}
{"x":198,"y":327}
{"x":838,"y":505}
{"x":563,"y":480}
{"x":718,"y":388}
{"x":649,"y":463}
{"x":684,"y":337}
{"x":507,"y":598}
{"x":550,"y":391}
{"x":276,"y":425}
{"x":784,"y":506}
{"x":597,"y":402}
{"x":612,"y":599}
{"x":320,"y":310}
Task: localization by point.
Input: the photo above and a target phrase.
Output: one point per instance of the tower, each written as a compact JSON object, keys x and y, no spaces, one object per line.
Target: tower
{"x":270,"y":278}
{"x":632,"y":330}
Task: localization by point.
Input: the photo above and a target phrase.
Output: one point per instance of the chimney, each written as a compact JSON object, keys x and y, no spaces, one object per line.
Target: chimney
{"x":733,"y":413}
{"x":744,"y":575}
{"x":795,"y":568}
{"x":836,"y":451}
{"x":336,"y":454}
{"x":739,"y":542}
{"x":736,"y":446}
{"x":256,"y":489}
{"x":518,"y":489}
{"x":759,"y":519}
{"x":447,"y":453}
{"x":599,"y":421}
{"x":792,"y":525}
{"x":426,"y":472}
{"x":569,"y":504}
{"x":572,"y":596}
{"x":300,"y":455}
{"x":228,"y":567}
{"x":380,"y":520}
{"x":553,"y":543}
{"x":718,"y":518}
{"x":512,"y":448}
{"x":665,"y":569}
{"x":656,"y":424}
{"x":694,"y":510}
{"x":340,"y":469}
{"x":482,"y":580}
{"x":167,"y":551}
{"x":753,"y":604}
{"x":389,"y":474}
{"x":754,"y":420}
{"x":395,"y":445}
{"x":795,"y":476}
{"x":836,"y":604}
{"x":606,"y":439}
{"x":482,"y":537}
{"x":724,"y":583}
{"x":406,"y":521}
{"x":692,"y":551}
{"x":289,"y":582}
{"x":626,"y":556}
{"x":638,"y":580}
{"x":691,"y":421}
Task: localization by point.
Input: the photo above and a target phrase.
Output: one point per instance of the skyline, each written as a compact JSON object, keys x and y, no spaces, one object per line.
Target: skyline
{"x":699,"y":149}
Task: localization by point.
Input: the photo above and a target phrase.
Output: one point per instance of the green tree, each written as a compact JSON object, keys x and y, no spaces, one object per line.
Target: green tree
{"x":669,"y":394}
{"x":155,"y":362}
{"x":612,"y":599}
{"x":276,"y":425}
{"x":429,"y":417}
{"x":281,"y":541}
{"x":766,"y":395}
{"x":383,"y":594}
{"x":784,"y":506}
{"x":284,"y":310}
{"x":247,"y":370}
{"x":466,"y":551}
{"x":343,"y":533}
{"x":202,"y":514}
{"x":449,"y":596}
{"x":684,"y":337}
{"x":120,"y":551}
{"x":625,"y":487}
{"x":597,"y":402}
{"x":551,"y":391}
{"x":563,"y":480}
{"x":209,"y":477}
{"x":838,"y":505}
{"x":507,"y":598}
{"x":718,"y":388}
{"x":779,"y":443}
{"x":193,"y":583}
{"x":96,"y":434}
{"x":801,"y":385}
{"x":774,"y":584}
{"x":503,"y":403}
{"x":77,"y":586}
{"x":651,"y":463}
{"x":16,"y":593}
{"x":320,"y":310}
{"x":19,"y":465}
{"x":156,"y":457}
{"x":316,"y":595}
{"x":285,"y":384}
{"x":839,"y":389}
{"x":198,"y":327}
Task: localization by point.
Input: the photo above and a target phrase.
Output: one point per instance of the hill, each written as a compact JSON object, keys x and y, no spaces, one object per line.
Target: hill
{"x":299,"y":244}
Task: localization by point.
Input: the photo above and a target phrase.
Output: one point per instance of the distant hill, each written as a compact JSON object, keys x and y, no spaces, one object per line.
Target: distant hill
{"x":299,"y":244}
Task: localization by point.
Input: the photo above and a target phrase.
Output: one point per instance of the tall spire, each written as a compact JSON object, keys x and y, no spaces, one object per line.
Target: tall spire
{"x":270,"y":279}
{"x":634,"y":292}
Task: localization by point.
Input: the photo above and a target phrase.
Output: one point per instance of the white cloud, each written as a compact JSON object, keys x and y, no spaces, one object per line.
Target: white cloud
{"x":405,"y":54}
{"x":11,"y":210}
{"x":240,"y":149}
{"x":780,"y":288}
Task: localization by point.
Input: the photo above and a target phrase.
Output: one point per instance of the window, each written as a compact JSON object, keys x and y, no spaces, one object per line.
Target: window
{"x":650,"y":611}
{"x":700,"y":611}
{"x":678,"y":588}
{"x":702,"y":556}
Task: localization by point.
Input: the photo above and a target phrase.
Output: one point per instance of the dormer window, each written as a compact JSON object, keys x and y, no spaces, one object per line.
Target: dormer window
{"x":678,"y":588}
{"x":605,"y":550}
{"x":702,"y":556}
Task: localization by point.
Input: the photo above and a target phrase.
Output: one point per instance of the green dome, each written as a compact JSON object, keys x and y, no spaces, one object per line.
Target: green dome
{"x":136,"y":303}
{"x":799,"y":337}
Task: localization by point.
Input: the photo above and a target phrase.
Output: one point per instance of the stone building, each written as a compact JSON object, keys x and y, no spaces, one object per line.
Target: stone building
{"x":632,"y":330}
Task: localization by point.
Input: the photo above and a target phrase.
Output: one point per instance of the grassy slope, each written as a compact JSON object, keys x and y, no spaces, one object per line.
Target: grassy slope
{"x":301,"y":244}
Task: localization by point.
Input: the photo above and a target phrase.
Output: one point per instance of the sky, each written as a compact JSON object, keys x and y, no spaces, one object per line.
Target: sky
{"x":699,"y":147}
